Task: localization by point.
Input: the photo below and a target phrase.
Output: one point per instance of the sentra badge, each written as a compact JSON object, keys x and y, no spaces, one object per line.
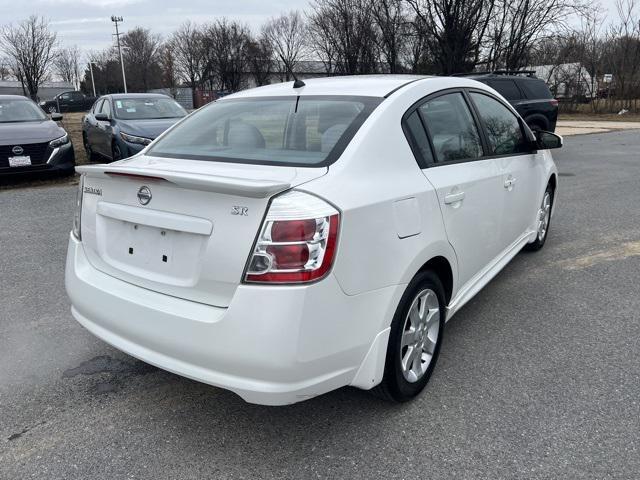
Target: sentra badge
{"x":92,"y":190}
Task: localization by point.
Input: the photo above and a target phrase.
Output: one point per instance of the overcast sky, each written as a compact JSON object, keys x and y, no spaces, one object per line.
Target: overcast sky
{"x":86,"y":23}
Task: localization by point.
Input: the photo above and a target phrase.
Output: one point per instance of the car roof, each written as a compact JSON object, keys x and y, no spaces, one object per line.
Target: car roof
{"x":124,"y":96}
{"x":354,"y":85}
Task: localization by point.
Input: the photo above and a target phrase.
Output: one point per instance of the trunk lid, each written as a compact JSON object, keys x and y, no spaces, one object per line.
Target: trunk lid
{"x":184,"y":228}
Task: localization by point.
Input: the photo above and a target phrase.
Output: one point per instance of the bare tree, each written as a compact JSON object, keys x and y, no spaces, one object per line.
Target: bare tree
{"x":5,"y":68}
{"x":343,"y":30}
{"x":590,"y":50}
{"x":67,"y":65}
{"x":31,"y":46}
{"x":261,"y":62}
{"x":287,"y":35}
{"x":415,"y":54}
{"x":455,"y":30}
{"x":141,"y":49}
{"x":226,"y":45}
{"x":106,"y":71}
{"x":322,"y":42}
{"x":622,"y":52}
{"x":168,"y":68}
{"x":188,"y":46}
{"x":392,"y":23}
{"x":518,"y":25}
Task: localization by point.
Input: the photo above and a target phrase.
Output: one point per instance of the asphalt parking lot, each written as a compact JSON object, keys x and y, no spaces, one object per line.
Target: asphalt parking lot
{"x":539,"y":376}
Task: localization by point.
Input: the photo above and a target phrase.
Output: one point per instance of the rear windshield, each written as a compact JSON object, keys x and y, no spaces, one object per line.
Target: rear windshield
{"x":298,"y":131}
{"x":536,"y":89}
{"x":147,"y":108}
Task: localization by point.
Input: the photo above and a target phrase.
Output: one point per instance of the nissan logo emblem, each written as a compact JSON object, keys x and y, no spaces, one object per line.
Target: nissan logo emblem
{"x":144,"y":195}
{"x":17,"y":150}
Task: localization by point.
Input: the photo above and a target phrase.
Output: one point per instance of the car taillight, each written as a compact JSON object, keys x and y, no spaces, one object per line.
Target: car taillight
{"x":554,"y":102}
{"x":297,"y":240}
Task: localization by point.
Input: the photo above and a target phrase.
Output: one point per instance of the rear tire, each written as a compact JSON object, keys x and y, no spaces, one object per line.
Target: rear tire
{"x":544,"y":221}
{"x":414,"y":342}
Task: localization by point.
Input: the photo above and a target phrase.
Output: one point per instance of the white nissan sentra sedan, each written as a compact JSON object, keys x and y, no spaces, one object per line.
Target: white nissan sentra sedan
{"x":283,"y":242}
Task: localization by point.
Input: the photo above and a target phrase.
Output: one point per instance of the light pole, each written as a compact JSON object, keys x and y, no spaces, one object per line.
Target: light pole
{"x":93,"y":82}
{"x":117,"y":20}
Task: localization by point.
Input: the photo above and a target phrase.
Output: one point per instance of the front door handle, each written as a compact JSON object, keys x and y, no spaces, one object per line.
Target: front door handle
{"x":454,"y":198}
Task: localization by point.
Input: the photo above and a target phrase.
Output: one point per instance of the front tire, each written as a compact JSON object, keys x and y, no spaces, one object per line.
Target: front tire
{"x":414,"y":342}
{"x":91,"y":157}
{"x":544,"y":221}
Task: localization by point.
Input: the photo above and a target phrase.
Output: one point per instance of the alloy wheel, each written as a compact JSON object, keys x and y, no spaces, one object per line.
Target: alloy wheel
{"x":420,"y":335}
{"x":544,"y":215}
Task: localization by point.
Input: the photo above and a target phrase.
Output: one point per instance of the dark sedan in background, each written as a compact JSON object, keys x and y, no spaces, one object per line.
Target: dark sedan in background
{"x":68,"y":102}
{"x":30,"y":142}
{"x":119,"y":126}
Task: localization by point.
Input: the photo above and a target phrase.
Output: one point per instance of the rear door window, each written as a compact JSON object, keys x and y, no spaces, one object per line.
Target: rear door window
{"x":507,"y":88}
{"x":504,"y":131}
{"x":536,"y":90}
{"x":453,"y":131}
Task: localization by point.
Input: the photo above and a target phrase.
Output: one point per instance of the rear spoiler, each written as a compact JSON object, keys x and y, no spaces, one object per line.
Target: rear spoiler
{"x":208,"y":183}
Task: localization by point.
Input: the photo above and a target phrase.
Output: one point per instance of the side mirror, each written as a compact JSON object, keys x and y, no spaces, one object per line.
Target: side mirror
{"x":548,"y":140}
{"x":102,"y":117}
{"x":56,"y":117}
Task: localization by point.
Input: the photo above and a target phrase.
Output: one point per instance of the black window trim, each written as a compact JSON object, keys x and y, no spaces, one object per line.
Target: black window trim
{"x":413,"y":142}
{"x":423,"y":163}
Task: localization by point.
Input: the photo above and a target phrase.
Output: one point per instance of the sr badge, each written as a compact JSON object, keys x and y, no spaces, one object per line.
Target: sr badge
{"x":238,"y":210}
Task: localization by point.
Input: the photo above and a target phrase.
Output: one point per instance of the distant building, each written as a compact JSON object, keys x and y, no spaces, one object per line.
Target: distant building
{"x":567,"y":81}
{"x":47,"y":90}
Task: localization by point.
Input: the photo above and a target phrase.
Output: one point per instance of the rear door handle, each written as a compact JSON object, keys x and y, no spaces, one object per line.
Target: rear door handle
{"x":509,"y":183}
{"x":454,"y":198}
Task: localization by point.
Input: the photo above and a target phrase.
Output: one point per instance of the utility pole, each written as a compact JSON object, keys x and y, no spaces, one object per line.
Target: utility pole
{"x":93,"y":83}
{"x":117,"y":20}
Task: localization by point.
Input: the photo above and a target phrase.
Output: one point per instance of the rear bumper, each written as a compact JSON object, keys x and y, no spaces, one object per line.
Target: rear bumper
{"x":272,"y":345}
